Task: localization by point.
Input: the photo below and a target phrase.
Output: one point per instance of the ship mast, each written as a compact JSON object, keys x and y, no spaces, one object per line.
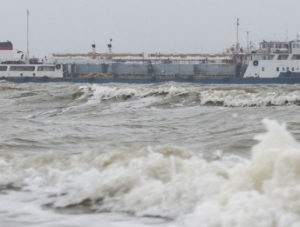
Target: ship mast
{"x":27,"y":35}
{"x":237,"y":48}
{"x":237,"y":30}
{"x":248,"y":46}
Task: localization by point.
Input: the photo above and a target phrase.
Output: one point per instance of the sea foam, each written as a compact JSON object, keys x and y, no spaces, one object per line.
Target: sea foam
{"x":171,"y":182}
{"x":264,"y":192}
{"x":241,"y":98}
{"x":232,"y":97}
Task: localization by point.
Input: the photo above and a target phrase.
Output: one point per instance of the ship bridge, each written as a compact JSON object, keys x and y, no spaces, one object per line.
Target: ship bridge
{"x":274,"y":47}
{"x":295,"y":46}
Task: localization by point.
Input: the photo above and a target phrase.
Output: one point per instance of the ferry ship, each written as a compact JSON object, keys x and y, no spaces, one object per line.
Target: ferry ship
{"x":24,"y":67}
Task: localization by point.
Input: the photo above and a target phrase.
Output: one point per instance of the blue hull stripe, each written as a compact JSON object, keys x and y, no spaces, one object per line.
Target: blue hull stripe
{"x":278,"y":80}
{"x":289,"y":75}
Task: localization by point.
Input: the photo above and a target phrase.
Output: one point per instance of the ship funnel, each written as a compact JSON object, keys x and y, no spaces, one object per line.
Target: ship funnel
{"x":6,"y":51}
{"x":94,"y":48}
{"x":110,"y":46}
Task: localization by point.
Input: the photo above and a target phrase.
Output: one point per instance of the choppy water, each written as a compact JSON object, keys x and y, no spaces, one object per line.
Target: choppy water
{"x":149,"y":155}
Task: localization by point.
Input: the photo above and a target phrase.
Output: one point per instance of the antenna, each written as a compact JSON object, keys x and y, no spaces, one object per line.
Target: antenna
{"x":237,"y":30}
{"x":237,"y":46}
{"x":27,"y":34}
{"x":248,"y":46}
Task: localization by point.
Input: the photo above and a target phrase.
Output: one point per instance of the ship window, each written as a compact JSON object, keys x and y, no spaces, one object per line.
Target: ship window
{"x":277,"y":69}
{"x":22,"y":68}
{"x":46,"y":68}
{"x":283,"y":69}
{"x":3,"y":68}
{"x":296,"y":57}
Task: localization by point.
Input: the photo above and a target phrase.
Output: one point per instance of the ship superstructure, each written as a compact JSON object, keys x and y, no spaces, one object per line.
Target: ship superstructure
{"x":274,"y":59}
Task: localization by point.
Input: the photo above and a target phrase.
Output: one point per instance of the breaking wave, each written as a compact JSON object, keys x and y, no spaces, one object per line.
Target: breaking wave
{"x":212,"y":97}
{"x":241,"y":98}
{"x":93,"y":94}
{"x":96,"y":93}
{"x":171,"y":182}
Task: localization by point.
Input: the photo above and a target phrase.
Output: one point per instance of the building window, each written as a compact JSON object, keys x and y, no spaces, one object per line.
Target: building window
{"x":263,"y":69}
{"x":292,"y":69}
{"x":287,"y":69}
{"x":277,"y":69}
{"x":283,"y":69}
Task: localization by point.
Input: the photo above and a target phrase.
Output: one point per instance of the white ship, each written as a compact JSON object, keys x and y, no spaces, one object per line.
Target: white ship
{"x":24,"y":67}
{"x":274,"y":60}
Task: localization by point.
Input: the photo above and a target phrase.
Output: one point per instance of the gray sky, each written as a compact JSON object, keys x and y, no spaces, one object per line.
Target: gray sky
{"x":136,"y":26}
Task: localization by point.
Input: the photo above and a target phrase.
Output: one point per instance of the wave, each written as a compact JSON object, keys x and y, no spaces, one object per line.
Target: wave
{"x":161,"y":94}
{"x":243,"y":97}
{"x":95,"y":93}
{"x":171,"y":182}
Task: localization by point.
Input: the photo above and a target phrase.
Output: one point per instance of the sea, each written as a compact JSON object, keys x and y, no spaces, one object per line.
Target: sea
{"x":167,"y":155}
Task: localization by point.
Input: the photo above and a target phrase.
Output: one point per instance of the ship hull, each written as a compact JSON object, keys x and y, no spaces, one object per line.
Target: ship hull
{"x":279,"y":80}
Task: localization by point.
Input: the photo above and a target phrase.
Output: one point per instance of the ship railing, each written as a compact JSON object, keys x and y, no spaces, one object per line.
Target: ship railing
{"x":175,"y":61}
{"x":15,"y":61}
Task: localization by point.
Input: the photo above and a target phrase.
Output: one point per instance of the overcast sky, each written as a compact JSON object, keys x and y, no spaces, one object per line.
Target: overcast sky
{"x":149,"y":26}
